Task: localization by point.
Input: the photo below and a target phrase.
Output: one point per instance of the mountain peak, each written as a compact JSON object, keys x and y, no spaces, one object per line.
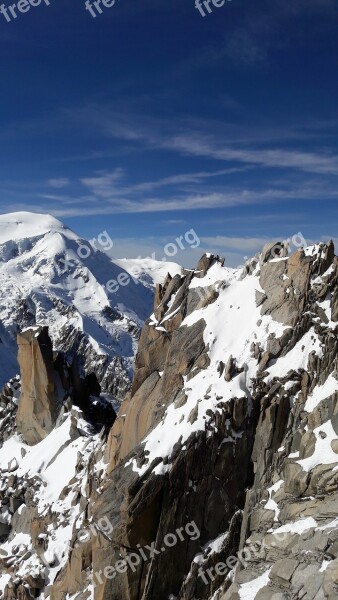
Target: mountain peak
{"x":22,"y":225}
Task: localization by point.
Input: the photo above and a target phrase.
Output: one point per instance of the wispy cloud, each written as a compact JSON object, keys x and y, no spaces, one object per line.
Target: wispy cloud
{"x":107,"y":185}
{"x":263,"y":147}
{"x":91,"y":204}
{"x":250,"y":45}
{"x":104,"y":185}
{"x":175,"y":221}
{"x":106,"y":193}
{"x":60,"y":182}
{"x":244,"y":48}
{"x":309,"y":162}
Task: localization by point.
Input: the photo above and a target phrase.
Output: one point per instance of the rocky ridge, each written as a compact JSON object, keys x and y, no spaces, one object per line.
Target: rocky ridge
{"x":232,"y":424}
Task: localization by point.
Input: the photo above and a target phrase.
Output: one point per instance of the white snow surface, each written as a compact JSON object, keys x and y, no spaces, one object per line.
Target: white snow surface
{"x":215,"y":274}
{"x":295,"y":527}
{"x":321,"y":392}
{"x":250,"y":590}
{"x":323,"y":454}
{"x":297,"y":357}
{"x":271,"y":503}
{"x":325,"y":565}
{"x":233,"y":323}
{"x":213,"y":547}
{"x":54,"y":468}
{"x":24,"y":225}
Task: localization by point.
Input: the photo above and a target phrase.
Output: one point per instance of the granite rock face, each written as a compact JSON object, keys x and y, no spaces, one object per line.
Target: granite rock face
{"x":39,"y":404}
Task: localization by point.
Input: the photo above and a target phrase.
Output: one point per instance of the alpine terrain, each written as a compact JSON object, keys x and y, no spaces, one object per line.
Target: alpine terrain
{"x":218,"y":477}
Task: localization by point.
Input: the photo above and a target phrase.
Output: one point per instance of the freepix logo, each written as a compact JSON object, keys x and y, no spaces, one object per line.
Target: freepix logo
{"x":205,"y":6}
{"x":95,"y":7}
{"x":12,"y":12}
{"x":133,"y":560}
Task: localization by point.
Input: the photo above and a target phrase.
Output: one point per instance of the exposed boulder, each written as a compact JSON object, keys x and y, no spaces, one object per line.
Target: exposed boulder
{"x":273,"y":250}
{"x":206,"y":262}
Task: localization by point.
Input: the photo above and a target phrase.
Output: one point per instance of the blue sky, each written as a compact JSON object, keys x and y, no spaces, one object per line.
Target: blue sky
{"x":150,"y":120}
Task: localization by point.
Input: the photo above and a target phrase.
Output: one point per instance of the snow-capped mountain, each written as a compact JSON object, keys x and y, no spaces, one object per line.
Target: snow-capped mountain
{"x":50,"y":276}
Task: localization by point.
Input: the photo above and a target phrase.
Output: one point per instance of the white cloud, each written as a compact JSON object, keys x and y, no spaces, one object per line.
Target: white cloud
{"x":60,"y":182}
{"x":104,"y":184}
{"x":111,"y":184}
{"x":174,"y":221}
{"x":121,"y":203}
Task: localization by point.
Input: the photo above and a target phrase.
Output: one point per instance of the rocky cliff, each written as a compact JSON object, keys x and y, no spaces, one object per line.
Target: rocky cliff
{"x":39,"y":404}
{"x":219,"y":478}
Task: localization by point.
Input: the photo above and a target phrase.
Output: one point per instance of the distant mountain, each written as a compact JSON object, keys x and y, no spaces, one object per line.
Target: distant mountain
{"x":148,"y":271}
{"x":50,"y":276}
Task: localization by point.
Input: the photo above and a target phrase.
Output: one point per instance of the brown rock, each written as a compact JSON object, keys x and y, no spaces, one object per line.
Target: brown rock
{"x":152,"y":354}
{"x":330,"y":583}
{"x":135,"y":418}
{"x":38,"y":406}
{"x":206,"y":262}
{"x":283,"y":570}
